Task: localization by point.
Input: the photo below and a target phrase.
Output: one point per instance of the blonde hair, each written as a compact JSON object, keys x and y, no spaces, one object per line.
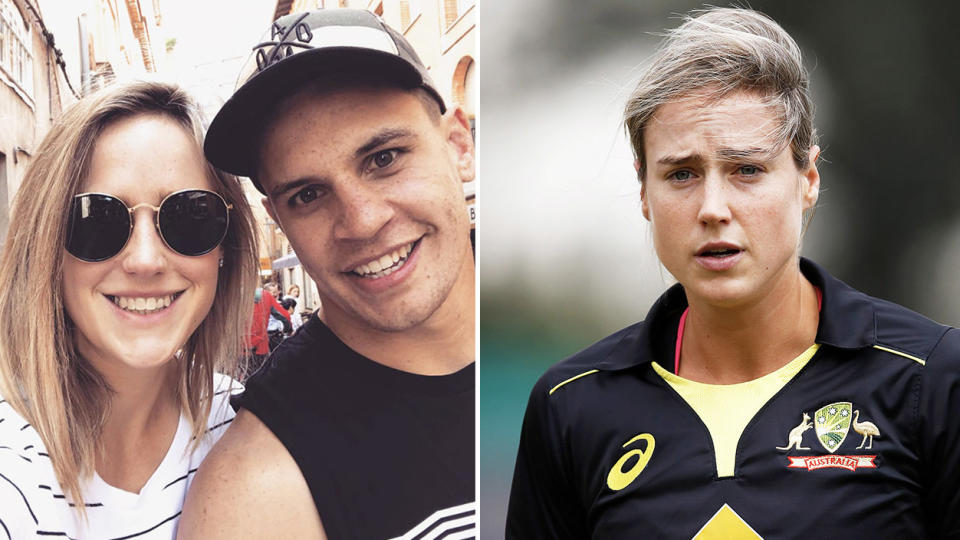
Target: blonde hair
{"x":42,"y":375}
{"x":719,"y":51}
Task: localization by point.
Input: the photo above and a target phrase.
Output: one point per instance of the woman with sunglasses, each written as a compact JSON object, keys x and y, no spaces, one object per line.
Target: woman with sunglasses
{"x":111,"y":396}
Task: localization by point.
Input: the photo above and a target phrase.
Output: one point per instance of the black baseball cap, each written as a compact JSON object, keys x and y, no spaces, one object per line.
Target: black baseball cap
{"x":298,"y":49}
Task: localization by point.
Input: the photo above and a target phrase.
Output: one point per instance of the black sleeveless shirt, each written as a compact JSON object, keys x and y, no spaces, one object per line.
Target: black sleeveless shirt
{"x":383,"y":451}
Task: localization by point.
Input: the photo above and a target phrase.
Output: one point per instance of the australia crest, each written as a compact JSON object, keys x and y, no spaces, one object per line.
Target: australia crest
{"x":832,"y":423}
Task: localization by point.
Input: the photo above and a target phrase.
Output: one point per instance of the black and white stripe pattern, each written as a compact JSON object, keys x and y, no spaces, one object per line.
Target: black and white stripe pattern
{"x":454,"y":523}
{"x":32,"y":504}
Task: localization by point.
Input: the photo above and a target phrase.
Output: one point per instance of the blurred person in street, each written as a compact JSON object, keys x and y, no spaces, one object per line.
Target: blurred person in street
{"x":293,"y":293}
{"x":760,"y":397}
{"x":289,"y":304}
{"x":258,"y":338}
{"x":361,"y":425}
{"x":279,"y":325}
{"x":112,"y":380}
{"x":273,"y":288}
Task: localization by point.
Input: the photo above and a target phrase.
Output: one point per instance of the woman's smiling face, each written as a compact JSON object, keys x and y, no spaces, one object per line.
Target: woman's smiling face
{"x":136,"y":309}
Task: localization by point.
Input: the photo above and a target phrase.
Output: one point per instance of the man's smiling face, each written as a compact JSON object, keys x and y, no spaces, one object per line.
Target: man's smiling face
{"x":368,"y":187}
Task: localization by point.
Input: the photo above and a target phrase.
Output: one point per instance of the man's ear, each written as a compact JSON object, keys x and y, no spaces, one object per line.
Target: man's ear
{"x":460,"y":142}
{"x":268,"y":206}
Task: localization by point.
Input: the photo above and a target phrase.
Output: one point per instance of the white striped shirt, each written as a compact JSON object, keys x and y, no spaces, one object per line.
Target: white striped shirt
{"x":32,"y":504}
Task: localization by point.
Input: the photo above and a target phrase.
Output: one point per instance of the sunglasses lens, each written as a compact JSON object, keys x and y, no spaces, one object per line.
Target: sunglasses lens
{"x":99,"y":227}
{"x":193,"y":222}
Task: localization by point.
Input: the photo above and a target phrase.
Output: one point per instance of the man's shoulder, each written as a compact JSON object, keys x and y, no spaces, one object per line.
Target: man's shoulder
{"x":311,"y":340}
{"x":309,"y":379}
{"x":249,"y":468}
{"x":313,"y":357}
{"x":246,"y":452}
{"x":248,"y":461}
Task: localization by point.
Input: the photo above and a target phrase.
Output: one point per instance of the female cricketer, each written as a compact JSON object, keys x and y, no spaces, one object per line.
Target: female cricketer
{"x":761,"y":397}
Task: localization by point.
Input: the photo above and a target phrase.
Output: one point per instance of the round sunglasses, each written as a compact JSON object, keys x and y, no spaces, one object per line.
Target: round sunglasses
{"x":191,"y":222}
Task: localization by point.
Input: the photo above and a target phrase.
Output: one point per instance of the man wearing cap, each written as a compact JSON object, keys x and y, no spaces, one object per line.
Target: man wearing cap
{"x":361,"y":425}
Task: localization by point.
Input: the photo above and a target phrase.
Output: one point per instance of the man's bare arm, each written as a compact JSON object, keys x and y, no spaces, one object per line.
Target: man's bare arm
{"x":249,"y":487}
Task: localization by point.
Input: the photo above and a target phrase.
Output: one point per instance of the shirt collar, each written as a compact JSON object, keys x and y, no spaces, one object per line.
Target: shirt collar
{"x":847,"y":318}
{"x":847,"y":321}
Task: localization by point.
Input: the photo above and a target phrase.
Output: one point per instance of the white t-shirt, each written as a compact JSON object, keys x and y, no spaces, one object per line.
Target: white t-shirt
{"x":32,"y":505}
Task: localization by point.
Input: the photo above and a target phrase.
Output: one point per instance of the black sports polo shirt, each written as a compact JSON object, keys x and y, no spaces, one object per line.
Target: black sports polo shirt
{"x":861,"y":441}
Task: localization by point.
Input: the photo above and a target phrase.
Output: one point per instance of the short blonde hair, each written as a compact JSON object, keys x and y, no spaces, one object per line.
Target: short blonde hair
{"x":719,"y":51}
{"x":42,"y":375}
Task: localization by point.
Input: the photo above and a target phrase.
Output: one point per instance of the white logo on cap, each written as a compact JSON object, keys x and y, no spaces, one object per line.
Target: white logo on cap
{"x":353,"y":36}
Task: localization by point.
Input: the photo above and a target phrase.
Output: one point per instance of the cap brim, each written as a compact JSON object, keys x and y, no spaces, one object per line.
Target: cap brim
{"x":234,"y":135}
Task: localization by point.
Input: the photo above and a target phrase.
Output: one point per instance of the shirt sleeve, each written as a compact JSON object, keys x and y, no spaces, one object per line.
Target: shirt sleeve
{"x":17,"y":516}
{"x":939,"y":423}
{"x":543,"y":502}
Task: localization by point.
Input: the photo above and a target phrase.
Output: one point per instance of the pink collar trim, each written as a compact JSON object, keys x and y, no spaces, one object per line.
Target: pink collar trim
{"x":683,"y":323}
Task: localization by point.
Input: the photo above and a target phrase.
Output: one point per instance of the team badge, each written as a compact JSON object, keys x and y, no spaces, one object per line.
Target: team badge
{"x":832,"y":423}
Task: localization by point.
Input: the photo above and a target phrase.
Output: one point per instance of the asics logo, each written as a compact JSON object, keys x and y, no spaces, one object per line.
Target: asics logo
{"x":618,"y":478}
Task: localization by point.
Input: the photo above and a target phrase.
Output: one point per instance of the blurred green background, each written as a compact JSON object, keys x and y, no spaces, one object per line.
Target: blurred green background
{"x":565,"y":257}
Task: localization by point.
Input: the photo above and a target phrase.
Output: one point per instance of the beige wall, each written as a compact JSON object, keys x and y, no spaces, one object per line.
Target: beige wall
{"x":25,"y":116}
{"x":25,"y":119}
{"x":442,"y":47}
{"x":448,"y":50}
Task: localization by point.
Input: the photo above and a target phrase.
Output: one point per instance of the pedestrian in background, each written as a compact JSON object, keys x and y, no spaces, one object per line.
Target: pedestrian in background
{"x":293,"y":293}
{"x":258,"y":338}
{"x":273,"y":288}
{"x":279,"y":326}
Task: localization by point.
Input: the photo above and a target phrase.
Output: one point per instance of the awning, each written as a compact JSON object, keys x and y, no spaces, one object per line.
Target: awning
{"x":287,"y":261}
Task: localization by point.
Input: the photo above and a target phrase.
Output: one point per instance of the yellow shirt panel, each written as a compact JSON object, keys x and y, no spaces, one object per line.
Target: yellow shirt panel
{"x":727,"y":408}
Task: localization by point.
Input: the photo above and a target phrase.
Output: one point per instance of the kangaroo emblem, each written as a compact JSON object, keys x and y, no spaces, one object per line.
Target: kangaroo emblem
{"x":795,"y":439}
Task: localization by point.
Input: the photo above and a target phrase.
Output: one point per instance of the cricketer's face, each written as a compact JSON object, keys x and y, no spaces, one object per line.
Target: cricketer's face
{"x":724,"y":202}
{"x":368,"y":187}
